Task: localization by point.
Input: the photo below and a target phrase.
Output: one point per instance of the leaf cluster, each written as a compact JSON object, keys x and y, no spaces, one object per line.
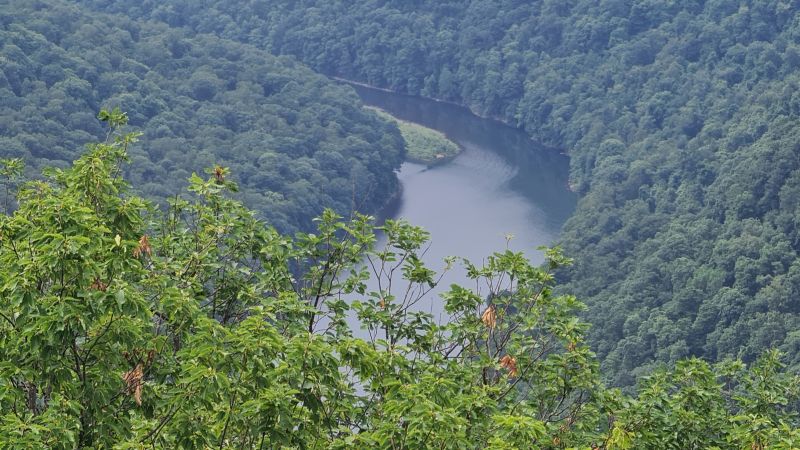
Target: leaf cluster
{"x":127,"y":326}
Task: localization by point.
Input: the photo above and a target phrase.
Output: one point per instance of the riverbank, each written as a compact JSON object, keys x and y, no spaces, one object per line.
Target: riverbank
{"x":424,"y":145}
{"x":500,"y":182}
{"x":470,"y":108}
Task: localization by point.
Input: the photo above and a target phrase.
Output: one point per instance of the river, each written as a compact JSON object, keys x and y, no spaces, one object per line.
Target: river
{"x":502,"y":183}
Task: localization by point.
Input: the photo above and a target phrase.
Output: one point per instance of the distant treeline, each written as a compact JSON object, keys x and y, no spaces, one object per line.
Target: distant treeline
{"x":680,"y":118}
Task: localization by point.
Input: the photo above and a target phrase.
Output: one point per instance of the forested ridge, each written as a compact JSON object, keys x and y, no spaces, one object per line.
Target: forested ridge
{"x":679,"y":118}
{"x":297,"y":142}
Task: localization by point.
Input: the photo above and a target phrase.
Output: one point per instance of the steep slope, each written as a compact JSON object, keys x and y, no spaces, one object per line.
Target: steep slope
{"x":295,"y":141}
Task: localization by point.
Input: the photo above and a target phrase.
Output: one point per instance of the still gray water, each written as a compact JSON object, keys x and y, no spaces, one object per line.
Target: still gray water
{"x":502,"y":183}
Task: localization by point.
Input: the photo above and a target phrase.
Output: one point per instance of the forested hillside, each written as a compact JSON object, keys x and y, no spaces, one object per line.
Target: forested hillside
{"x":146,"y":305}
{"x":679,"y":117}
{"x":297,"y":142}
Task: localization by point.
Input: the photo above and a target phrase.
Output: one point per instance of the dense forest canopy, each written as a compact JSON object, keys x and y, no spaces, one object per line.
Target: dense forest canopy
{"x":679,"y":117}
{"x":297,"y":142}
{"x":142,"y":316}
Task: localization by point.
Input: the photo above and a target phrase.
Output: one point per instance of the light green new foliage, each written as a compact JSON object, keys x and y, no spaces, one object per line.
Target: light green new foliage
{"x":424,"y":145}
{"x":72,"y":315}
{"x":725,"y":406}
{"x":124,"y":326}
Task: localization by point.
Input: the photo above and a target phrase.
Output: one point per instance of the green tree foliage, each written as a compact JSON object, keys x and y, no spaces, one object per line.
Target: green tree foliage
{"x":126,"y":326}
{"x":297,"y":142}
{"x":679,"y":118}
{"x":728,"y":406}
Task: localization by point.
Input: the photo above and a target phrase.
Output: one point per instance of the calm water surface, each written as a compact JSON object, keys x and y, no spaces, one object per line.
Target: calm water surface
{"x":502,"y":183}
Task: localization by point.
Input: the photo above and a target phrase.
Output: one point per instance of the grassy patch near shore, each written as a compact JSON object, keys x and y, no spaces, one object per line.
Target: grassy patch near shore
{"x":425,"y":145}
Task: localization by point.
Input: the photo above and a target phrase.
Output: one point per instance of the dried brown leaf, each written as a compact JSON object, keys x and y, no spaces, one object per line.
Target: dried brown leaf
{"x":489,"y":317}
{"x":219,"y":174}
{"x":143,"y":248}
{"x":98,"y":285}
{"x":509,"y":363}
{"x":133,"y":381}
